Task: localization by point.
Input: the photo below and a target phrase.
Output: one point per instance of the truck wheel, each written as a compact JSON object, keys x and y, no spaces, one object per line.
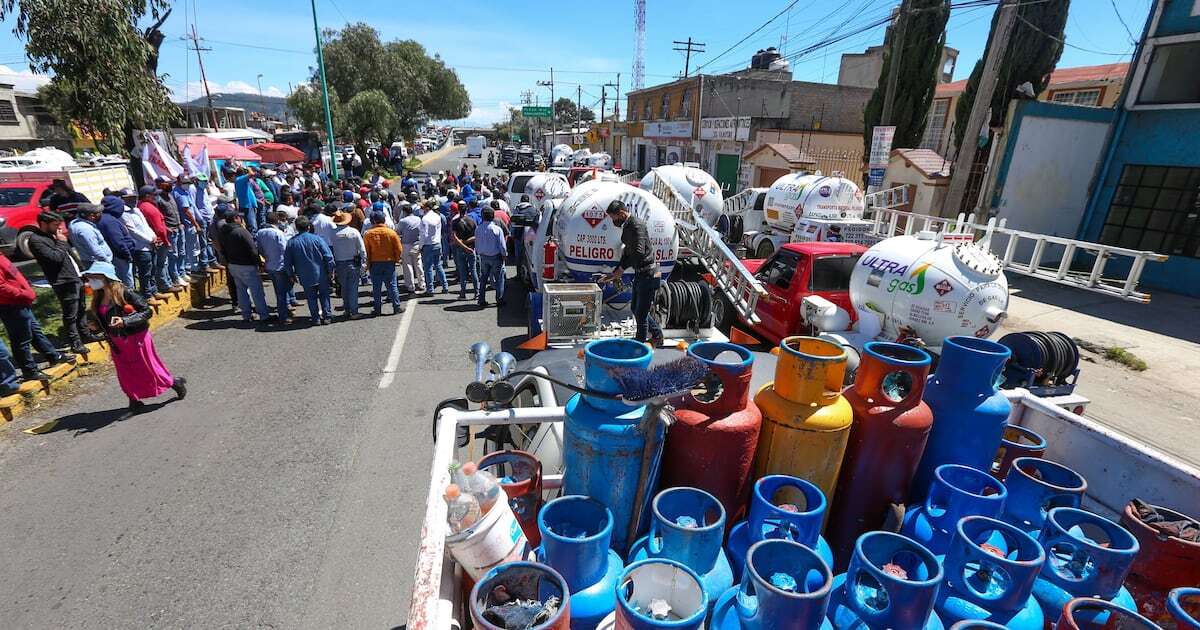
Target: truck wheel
{"x":764,"y":250}
{"x":722,"y":313}
{"x":22,"y":242}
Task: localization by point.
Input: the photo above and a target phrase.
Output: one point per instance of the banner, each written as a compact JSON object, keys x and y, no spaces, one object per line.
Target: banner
{"x":881,"y":150}
{"x":672,"y":129}
{"x":156,"y":161}
{"x":728,"y":128}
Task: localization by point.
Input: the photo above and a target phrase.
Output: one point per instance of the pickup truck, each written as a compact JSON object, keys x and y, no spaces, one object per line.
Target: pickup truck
{"x":794,"y":272}
{"x":21,"y":193}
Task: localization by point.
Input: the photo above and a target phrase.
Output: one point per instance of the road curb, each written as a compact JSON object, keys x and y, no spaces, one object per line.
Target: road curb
{"x":166,"y":307}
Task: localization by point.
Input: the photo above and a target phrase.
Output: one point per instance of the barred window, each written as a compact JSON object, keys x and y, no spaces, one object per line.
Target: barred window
{"x":1156,"y":208}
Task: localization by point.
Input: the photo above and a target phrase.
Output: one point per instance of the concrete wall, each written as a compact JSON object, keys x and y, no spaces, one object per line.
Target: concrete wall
{"x":1051,"y":154}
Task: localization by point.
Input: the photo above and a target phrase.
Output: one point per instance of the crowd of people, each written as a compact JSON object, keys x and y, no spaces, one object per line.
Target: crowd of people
{"x":290,"y":226}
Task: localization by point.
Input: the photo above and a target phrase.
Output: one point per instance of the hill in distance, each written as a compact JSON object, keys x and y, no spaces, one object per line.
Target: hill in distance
{"x":275,"y":105}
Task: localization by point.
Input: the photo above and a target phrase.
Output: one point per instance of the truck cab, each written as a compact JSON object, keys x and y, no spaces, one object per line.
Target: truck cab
{"x":794,"y":272}
{"x":20,"y":203}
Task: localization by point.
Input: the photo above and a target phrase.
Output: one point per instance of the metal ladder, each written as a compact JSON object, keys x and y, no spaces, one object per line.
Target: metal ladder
{"x":1051,"y":258}
{"x":740,"y":286}
{"x":630,"y":178}
{"x":740,"y":203}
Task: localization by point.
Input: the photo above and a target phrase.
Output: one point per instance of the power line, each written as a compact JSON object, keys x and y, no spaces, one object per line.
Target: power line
{"x":339,"y":10}
{"x":1065,"y":43}
{"x":761,"y":27}
{"x":689,"y":47}
{"x":1121,"y":18}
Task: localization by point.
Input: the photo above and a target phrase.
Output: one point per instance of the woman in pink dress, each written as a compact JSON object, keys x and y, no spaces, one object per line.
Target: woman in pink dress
{"x":124,"y":316}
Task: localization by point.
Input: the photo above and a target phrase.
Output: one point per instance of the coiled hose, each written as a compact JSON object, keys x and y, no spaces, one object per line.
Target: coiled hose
{"x":685,"y":305}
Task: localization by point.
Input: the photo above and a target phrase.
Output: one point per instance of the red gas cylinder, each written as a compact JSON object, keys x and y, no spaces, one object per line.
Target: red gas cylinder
{"x":520,"y":474}
{"x":887,"y":439}
{"x":1168,"y":556}
{"x":711,"y":445}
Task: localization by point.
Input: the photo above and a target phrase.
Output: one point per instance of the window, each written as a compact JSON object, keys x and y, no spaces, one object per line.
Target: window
{"x":8,"y":113}
{"x":666,"y":106}
{"x":778,"y":271}
{"x":1091,"y":98}
{"x":1171,"y":75}
{"x":11,"y":197}
{"x":1156,"y":208}
{"x":936,"y":127}
{"x":646,"y":115}
{"x":686,"y":105}
{"x":832,"y":273}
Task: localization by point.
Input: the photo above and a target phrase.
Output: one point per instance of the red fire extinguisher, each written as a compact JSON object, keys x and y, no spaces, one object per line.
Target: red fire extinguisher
{"x":548,"y":254}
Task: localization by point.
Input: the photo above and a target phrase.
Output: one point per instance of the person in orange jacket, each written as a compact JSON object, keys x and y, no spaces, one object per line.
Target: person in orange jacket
{"x":383,"y":252}
{"x":24,"y":330}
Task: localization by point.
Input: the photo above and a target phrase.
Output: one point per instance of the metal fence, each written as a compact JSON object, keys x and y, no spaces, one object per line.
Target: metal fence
{"x":830,"y":159}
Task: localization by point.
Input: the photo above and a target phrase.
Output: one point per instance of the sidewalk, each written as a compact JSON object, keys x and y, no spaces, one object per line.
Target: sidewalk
{"x":1159,"y":405}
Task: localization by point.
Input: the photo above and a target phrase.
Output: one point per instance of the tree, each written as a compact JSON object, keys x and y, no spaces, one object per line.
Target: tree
{"x":418,"y":87}
{"x":104,"y":70}
{"x":1032,"y":53}
{"x":307,"y":105}
{"x":918,"y":72}
{"x":565,"y":110}
{"x":369,"y":116}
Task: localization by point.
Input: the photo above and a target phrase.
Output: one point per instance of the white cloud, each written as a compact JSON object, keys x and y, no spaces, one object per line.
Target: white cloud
{"x":22,"y":79}
{"x":485,"y":115}
{"x":196,"y":88}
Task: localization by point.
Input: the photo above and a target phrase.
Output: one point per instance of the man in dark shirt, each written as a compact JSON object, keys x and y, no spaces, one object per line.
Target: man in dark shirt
{"x":638,"y":256}
{"x":49,"y":247}
{"x":241,"y":255}
{"x":462,"y":243}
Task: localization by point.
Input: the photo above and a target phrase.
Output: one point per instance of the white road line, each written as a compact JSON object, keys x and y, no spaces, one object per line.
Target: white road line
{"x":389,"y":370}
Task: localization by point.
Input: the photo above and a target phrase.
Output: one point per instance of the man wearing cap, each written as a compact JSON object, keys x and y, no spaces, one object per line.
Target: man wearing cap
{"x":462,"y":242}
{"x":172,"y":253}
{"x":383,"y":252}
{"x":308,"y":259}
{"x":431,"y":248}
{"x":86,"y":238}
{"x":241,"y":252}
{"x":245,"y":187}
{"x":53,"y":253}
{"x":202,"y":212}
{"x":145,"y":239}
{"x":185,"y":249}
{"x":64,"y":198}
{"x":409,"y":228}
{"x":490,"y":245}
{"x":349,"y":254}
{"x":16,"y":298}
{"x":271,"y":244}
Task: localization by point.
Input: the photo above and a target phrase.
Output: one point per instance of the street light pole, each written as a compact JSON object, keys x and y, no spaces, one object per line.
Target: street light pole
{"x":262,"y":99}
{"x":325,"y":95}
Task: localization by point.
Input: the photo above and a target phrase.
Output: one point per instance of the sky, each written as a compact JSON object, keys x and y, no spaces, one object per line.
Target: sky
{"x":502,"y":49}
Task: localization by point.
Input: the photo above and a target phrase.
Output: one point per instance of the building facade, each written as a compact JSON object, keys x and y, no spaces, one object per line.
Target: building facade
{"x":863,"y":69}
{"x":26,"y":124}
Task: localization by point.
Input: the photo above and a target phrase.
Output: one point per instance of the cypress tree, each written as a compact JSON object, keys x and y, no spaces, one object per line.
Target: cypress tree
{"x":924,"y":37}
{"x":1033,"y":52}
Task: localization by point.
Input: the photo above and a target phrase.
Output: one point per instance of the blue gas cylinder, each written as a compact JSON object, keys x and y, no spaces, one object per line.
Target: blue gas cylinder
{"x":1087,"y":555}
{"x":1089,"y":613}
{"x":957,"y":491}
{"x":1184,"y":605}
{"x":892,"y":582}
{"x":659,"y":594}
{"x":969,"y":412}
{"x":687,"y":525}
{"x":983,"y":583}
{"x":605,"y":441}
{"x":575,"y":542}
{"x":1036,"y":486}
{"x":976,"y":624}
{"x":786,"y":586}
{"x":781,"y":507}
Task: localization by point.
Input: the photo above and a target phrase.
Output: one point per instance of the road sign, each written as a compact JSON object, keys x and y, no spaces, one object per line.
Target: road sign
{"x":532,"y":111}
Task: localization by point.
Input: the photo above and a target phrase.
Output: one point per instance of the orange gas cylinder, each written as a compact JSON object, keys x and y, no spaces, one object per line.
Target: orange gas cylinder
{"x":711,"y":445}
{"x":806,"y":421}
{"x":891,"y":426}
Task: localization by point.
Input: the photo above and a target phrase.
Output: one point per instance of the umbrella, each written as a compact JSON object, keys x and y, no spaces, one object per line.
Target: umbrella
{"x":218,"y":149}
{"x":277,"y":152}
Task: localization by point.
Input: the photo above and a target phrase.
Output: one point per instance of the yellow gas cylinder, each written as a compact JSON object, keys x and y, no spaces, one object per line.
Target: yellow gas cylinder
{"x":806,"y":421}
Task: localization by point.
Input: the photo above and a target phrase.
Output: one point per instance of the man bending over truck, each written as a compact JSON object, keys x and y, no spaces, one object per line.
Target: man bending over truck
{"x":638,"y":256}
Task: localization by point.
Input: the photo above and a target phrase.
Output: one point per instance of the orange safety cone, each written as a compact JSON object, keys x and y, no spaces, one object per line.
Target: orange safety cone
{"x":741,"y":337}
{"x":536,"y":342}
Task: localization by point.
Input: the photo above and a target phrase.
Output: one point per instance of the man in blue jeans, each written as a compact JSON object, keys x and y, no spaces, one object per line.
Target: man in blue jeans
{"x":491,"y":247}
{"x":16,"y":298}
{"x":271,"y":245}
{"x":638,"y":256}
{"x":308,"y":259}
{"x":431,"y":249}
{"x":9,"y":384}
{"x":462,"y":242}
{"x":241,"y":253}
{"x":349,"y":254}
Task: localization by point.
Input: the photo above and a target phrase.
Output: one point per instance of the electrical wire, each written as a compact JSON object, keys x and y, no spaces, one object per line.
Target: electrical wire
{"x":1121,"y":18}
{"x":1066,"y":43}
{"x":761,"y":27}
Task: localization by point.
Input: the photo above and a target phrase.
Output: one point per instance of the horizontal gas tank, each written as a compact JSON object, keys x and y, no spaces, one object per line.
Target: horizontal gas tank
{"x":581,"y":156}
{"x":696,"y":186}
{"x":545,"y":187}
{"x":924,"y":289}
{"x":794,"y":196}
{"x":589,"y":243}
{"x":600,"y":160}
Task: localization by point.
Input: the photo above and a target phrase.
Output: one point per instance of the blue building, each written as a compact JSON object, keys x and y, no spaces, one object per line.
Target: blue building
{"x":1147,"y":189}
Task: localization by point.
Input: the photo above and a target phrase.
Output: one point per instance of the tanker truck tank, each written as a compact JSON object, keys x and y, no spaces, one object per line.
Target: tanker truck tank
{"x":920,"y":287}
{"x":694,"y":185}
{"x":600,"y":160}
{"x":560,"y":154}
{"x":796,"y":196}
{"x":589,"y":243}
{"x":545,"y":187}
{"x":580,"y":157}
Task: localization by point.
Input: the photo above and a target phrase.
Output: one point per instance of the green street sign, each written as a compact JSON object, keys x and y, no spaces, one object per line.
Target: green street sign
{"x":531,"y":111}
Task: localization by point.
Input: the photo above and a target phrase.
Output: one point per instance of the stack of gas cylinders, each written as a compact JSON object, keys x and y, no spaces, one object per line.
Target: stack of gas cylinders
{"x":902,"y":501}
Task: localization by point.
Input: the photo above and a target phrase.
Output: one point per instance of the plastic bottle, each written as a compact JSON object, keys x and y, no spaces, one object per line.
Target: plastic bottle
{"x":462,"y":511}
{"x":480,"y":484}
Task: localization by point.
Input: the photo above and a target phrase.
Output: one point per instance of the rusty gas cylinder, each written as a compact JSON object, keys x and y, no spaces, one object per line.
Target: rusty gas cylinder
{"x":520,"y":474}
{"x":806,"y":420}
{"x":887,"y":439}
{"x":1165,"y":561}
{"x":711,"y":445}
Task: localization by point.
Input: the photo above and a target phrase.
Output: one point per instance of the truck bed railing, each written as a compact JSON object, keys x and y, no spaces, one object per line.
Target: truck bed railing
{"x":630,"y":178}
{"x":736,"y":282}
{"x":739,"y":203}
{"x":1051,"y":258}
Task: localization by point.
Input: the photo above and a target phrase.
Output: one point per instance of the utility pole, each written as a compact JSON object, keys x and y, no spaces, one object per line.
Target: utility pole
{"x":689,"y":47}
{"x":979,"y":109}
{"x":553,"y":114}
{"x":212,"y":113}
{"x":262,"y":99}
{"x":602,"y":95}
{"x":578,"y":107}
{"x":895,"y":50}
{"x":325,"y":96}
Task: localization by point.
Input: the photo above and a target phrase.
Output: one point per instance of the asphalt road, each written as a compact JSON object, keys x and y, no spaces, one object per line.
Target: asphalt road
{"x":286,"y":491}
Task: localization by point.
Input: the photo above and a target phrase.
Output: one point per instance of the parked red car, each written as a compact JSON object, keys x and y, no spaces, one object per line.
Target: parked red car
{"x":19,"y":207}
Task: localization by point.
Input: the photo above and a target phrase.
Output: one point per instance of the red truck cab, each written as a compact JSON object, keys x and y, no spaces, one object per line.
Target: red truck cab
{"x":794,"y":272}
{"x":19,"y":207}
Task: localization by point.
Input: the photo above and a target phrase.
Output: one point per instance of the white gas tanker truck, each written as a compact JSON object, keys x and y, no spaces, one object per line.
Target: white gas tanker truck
{"x":560,"y":155}
{"x":695,"y":186}
{"x":799,"y":208}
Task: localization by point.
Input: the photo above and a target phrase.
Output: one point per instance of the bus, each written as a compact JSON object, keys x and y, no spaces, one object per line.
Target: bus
{"x":310,"y":142}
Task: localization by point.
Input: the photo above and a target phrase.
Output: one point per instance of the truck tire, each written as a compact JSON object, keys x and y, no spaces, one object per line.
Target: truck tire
{"x":764,"y":249}
{"x":722,"y":313}
{"x":22,"y":242}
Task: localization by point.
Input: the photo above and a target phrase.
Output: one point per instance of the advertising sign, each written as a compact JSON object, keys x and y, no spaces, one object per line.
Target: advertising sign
{"x":881,"y":146}
{"x":670,"y":129}
{"x":727,"y":128}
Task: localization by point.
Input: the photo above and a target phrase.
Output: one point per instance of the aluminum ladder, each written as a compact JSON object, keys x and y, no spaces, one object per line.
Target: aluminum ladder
{"x":740,"y":286}
{"x":739,"y":204}
{"x":1051,"y":258}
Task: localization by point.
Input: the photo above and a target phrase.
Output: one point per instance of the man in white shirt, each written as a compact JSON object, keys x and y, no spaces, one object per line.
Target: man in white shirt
{"x":143,"y":251}
{"x":431,"y":248}
{"x":322,"y":223}
{"x":349,"y":259}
